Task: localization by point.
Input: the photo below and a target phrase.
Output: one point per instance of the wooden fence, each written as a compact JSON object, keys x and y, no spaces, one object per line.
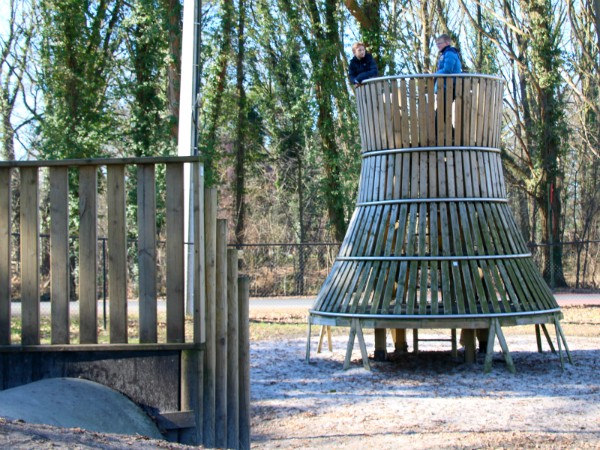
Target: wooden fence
{"x":195,"y":383}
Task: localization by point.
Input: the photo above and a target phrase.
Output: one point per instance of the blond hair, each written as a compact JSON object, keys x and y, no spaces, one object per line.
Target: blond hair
{"x":356,"y":45}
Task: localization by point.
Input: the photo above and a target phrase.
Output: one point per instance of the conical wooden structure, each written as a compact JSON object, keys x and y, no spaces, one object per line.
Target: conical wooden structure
{"x":432,"y":242}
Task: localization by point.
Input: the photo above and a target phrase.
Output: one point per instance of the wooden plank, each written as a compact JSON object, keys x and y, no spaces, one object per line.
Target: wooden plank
{"x":414,"y":120}
{"x":361,"y":118}
{"x":5,"y":249}
{"x":146,"y":203}
{"x":509,"y":361}
{"x":389,"y":114}
{"x":175,"y":254}
{"x":413,"y":265}
{"x":199,"y":255}
{"x":435,"y":251}
{"x":59,"y":254}
{"x":175,"y":420}
{"x":448,"y":97}
{"x":379,"y":110}
{"x":458,"y":119}
{"x":467,"y":110}
{"x":404,"y":100}
{"x":368,"y":118}
{"x":378,"y":120}
{"x":489,"y":354}
{"x":88,"y":254}
{"x":396,"y":112}
{"x":210,"y":247}
{"x":221,"y":337}
{"x":476,"y":95}
{"x":191,"y":395}
{"x":431,"y":114}
{"x":117,"y":254}
{"x":422,"y":111}
{"x":244,"y":361}
{"x":30,"y":257}
{"x":481,"y":99}
{"x":440,"y":116}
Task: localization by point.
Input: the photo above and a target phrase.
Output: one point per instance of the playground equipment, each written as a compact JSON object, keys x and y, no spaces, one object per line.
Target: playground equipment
{"x":195,"y":387}
{"x":432,"y":242}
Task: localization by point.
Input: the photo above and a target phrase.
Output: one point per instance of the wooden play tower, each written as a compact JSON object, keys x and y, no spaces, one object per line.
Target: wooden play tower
{"x":432,"y":242}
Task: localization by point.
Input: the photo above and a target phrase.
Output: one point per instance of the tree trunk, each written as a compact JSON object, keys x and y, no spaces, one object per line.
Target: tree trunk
{"x":173,"y":12}
{"x":240,"y":146}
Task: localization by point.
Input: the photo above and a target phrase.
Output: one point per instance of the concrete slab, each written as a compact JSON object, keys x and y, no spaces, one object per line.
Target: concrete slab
{"x":76,"y":403}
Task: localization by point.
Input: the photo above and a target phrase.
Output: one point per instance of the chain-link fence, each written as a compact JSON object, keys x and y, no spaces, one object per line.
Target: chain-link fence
{"x":569,"y":264}
{"x":284,"y":270}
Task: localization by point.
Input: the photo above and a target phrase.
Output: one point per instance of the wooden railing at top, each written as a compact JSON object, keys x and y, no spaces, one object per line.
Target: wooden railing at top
{"x":404,"y":111}
{"x":117,"y":249}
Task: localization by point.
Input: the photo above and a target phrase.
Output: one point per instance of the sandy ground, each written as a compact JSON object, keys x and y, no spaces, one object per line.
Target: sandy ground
{"x":428,"y":401}
{"x":424,"y":401}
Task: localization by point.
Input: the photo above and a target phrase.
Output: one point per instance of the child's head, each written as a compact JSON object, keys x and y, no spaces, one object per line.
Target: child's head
{"x":359,"y":50}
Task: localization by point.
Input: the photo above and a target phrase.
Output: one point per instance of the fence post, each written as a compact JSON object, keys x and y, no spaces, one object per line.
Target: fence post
{"x":5,"y":235}
{"x":233,"y":412}
{"x":210,"y":236}
{"x":221,"y":337}
{"x":244,"y":360}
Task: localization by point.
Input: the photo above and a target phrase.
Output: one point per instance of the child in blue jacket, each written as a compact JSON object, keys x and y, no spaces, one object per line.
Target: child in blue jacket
{"x":448,"y":59}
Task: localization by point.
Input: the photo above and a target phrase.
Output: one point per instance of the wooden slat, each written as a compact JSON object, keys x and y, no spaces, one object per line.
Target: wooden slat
{"x":458,"y":119}
{"x":389,"y":114}
{"x":221,"y":337}
{"x":5,"y":247}
{"x":440,"y":116}
{"x":374,"y":119}
{"x":146,"y":198}
{"x":59,"y":254}
{"x":422,"y":113}
{"x":467,"y":110}
{"x":448,"y":112}
{"x":88,"y":254}
{"x":431,"y":113}
{"x":481,"y":101}
{"x":117,"y":254}
{"x":210,"y":246}
{"x":475,"y":96}
{"x":397,"y":114}
{"x":414,"y":118}
{"x":361,"y":118}
{"x":404,"y":114}
{"x":199,"y":255}
{"x":30,"y":257}
{"x":233,"y":346}
{"x":381,"y":114}
{"x":244,"y":361}
{"x":175,"y":254}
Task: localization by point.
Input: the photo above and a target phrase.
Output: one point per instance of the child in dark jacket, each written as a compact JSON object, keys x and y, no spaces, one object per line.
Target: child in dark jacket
{"x":362,"y":65}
